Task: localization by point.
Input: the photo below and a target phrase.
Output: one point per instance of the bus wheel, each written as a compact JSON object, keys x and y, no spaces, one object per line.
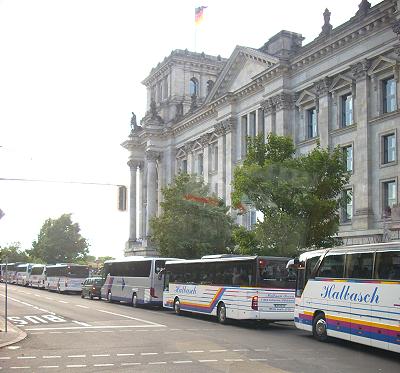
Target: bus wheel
{"x":320,"y":328}
{"x":177,"y":306}
{"x":82,"y":296}
{"x":221,"y":313}
{"x":90,"y":295}
{"x":109,"y":297}
{"x":134,"y":300}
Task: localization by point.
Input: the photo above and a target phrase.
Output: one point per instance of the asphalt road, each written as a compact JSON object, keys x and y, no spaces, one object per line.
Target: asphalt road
{"x":70,"y":334}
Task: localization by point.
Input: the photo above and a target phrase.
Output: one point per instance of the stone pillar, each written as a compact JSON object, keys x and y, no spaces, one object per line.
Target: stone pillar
{"x":220,"y":132}
{"x":133,"y":165}
{"x":206,"y":156}
{"x":141,"y":201}
{"x":269,"y":117}
{"x":322,"y":89}
{"x":284,"y":105}
{"x":362,"y":156}
{"x":229,"y":138}
{"x":151,"y":208}
{"x":189,"y":154}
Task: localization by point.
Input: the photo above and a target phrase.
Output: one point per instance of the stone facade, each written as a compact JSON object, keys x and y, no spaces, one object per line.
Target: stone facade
{"x":341,"y":89}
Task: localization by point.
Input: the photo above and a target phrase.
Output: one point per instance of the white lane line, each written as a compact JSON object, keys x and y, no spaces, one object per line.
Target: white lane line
{"x":132,"y":318}
{"x":107,"y":331}
{"x":52,"y":357}
{"x":20,"y":367}
{"x":127,"y":364}
{"x":27,"y":304}
{"x":101,"y":355}
{"x":49,"y":298}
{"x":241,"y":350}
{"x":94,"y":327}
{"x":194,"y":352}
{"x":183,"y":362}
{"x":218,"y":350}
{"x":103,"y":365}
{"x":261,"y":350}
{"x":157,"y":362}
{"x":37,"y":333}
{"x":49,"y":366}
{"x":126,"y":354}
{"x":233,"y":360}
{"x":172,"y":352}
{"x":26,"y":357}
{"x":5,"y":358}
{"x":81,"y":323}
{"x":78,"y":305}
{"x":172,"y":330}
{"x":260,"y":359}
{"x":72,"y":332}
{"x":76,"y":355}
{"x":208,"y":361}
{"x":77,"y":366}
{"x":148,"y":353}
{"x":54,"y":333}
{"x":94,"y":331}
{"x":62,"y":301}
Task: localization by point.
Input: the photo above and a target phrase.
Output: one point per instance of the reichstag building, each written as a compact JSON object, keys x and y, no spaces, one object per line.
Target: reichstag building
{"x":341,"y":89}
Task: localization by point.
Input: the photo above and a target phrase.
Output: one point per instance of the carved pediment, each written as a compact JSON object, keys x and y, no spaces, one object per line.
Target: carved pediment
{"x":340,"y":82}
{"x":181,"y":153}
{"x":213,"y":138}
{"x":382,"y":64}
{"x":197,"y":145}
{"x":305,"y":98}
{"x":239,"y":70}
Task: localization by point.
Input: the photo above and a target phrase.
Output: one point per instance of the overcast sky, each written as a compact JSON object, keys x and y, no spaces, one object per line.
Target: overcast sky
{"x":70,"y":76}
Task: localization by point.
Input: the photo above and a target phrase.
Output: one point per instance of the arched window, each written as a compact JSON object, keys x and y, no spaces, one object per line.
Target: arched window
{"x":210,"y":85}
{"x":194,"y":87}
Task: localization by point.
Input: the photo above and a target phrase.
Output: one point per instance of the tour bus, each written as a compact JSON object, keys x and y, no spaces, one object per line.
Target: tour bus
{"x":22,"y":273}
{"x":63,"y":277}
{"x":12,"y":271}
{"x":2,"y":272}
{"x":37,"y":278}
{"x":136,"y":280}
{"x":231,"y":287}
{"x":350,"y":293}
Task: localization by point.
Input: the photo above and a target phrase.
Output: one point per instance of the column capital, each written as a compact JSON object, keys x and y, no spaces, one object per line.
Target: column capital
{"x":322,"y":86}
{"x":152,"y":155}
{"x":283,"y":101}
{"x":268,"y":106}
{"x":359,"y":69}
{"x":134,"y":164}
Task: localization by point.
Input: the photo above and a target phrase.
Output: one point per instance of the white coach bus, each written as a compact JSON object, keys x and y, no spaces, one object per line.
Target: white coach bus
{"x":231,"y":287}
{"x":351,"y":293}
{"x":66,"y":277}
{"x":37,"y":277}
{"x":135,"y":280}
{"x":22,"y":273}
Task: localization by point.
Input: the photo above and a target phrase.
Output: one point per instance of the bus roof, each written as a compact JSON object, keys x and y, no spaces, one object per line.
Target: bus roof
{"x":66,"y":265}
{"x":233,"y":258}
{"x":139,"y":258}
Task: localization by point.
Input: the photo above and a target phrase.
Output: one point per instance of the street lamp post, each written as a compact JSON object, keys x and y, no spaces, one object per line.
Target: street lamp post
{"x":5,"y":302}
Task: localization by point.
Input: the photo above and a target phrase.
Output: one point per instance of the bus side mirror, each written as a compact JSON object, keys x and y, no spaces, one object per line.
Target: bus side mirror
{"x":294,"y":264}
{"x":160,"y":274}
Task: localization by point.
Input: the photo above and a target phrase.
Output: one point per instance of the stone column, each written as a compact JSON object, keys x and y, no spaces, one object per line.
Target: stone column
{"x":206,"y":156}
{"x":220,"y":132}
{"x":269,"y":117}
{"x":284,"y":105}
{"x":362,"y":155}
{"x":133,"y":165}
{"x":141,"y":202}
{"x":322,"y":89}
{"x":151,"y":210}
{"x":229,"y":138}
{"x":189,"y":153}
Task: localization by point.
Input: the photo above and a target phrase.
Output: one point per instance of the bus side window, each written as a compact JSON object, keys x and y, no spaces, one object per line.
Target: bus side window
{"x":359,"y":265}
{"x":387,"y":265}
{"x":332,"y":266}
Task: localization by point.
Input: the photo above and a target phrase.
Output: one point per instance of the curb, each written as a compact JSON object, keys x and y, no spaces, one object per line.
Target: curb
{"x":19,"y":335}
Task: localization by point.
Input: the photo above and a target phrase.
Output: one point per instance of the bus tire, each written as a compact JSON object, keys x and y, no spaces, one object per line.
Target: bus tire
{"x":82,"y":295}
{"x":177,"y":306}
{"x":221,"y":313}
{"x":320,"y":327}
{"x":109,"y":297}
{"x":90,"y":295}
{"x":134,"y":300}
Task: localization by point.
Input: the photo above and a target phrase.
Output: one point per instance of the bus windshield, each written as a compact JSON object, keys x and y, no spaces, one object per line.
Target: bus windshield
{"x":78,"y":272}
{"x":272,"y":273}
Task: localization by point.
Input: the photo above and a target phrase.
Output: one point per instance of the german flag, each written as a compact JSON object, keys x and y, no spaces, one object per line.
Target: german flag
{"x":198,"y":14}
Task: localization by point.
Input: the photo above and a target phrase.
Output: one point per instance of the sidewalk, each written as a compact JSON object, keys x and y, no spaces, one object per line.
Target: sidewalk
{"x":13,"y":334}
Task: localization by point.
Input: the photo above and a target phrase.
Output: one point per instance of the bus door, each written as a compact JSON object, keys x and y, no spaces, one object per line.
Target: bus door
{"x":157,"y":283}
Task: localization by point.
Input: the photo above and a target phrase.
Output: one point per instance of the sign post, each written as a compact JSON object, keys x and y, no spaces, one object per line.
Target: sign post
{"x":5,"y":302}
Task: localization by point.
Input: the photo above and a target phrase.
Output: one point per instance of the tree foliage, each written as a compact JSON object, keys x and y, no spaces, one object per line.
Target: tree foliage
{"x":60,"y":241}
{"x":298,"y":196}
{"x":192,"y":222}
{"x":13,"y":253}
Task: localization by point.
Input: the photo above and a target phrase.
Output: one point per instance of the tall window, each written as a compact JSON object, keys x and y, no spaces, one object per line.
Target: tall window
{"x":389,"y":148}
{"x":389,"y":195}
{"x":261,"y":122}
{"x":215,"y":158}
{"x":347,"y":211}
{"x":312,"y":123}
{"x":252,"y":124}
{"x":184,"y":166}
{"x":194,"y":87}
{"x":389,"y":95}
{"x":347,"y":110}
{"x":200,"y":164}
{"x":244,"y":134}
{"x":348,"y":157}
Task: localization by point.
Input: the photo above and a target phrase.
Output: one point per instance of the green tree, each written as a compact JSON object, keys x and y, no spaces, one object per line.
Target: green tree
{"x":13,"y":253}
{"x":298,"y":196}
{"x":59,"y":241}
{"x":192,"y":222}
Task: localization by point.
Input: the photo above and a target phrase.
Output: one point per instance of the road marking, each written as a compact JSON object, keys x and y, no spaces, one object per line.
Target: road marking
{"x":54,"y":333}
{"x":157,"y":362}
{"x":103,"y":365}
{"x":233,"y":359}
{"x":194,"y":352}
{"x":241,"y":350}
{"x":5,"y":358}
{"x":49,"y":298}
{"x":94,"y":331}
{"x":52,"y":357}
{"x":172,"y":352}
{"x":20,"y":367}
{"x":126,"y":354}
{"x":183,"y":362}
{"x":132,"y":318}
{"x":173,"y":330}
{"x":261,"y":350}
{"x":208,"y":361}
{"x":261,"y":359}
{"x":81,"y":323}
{"x":78,"y":305}
{"x":218,"y":350}
{"x":37,"y":295}
{"x":77,"y":366}
{"x":148,"y":353}
{"x":76,"y":355}
{"x":72,"y":332}
{"x":107,"y":331}
{"x":94,"y":327}
{"x":49,"y":366}
{"x":101,"y":355}
{"x":62,"y":301}
{"x":126,"y":364}
{"x":26,"y":357}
